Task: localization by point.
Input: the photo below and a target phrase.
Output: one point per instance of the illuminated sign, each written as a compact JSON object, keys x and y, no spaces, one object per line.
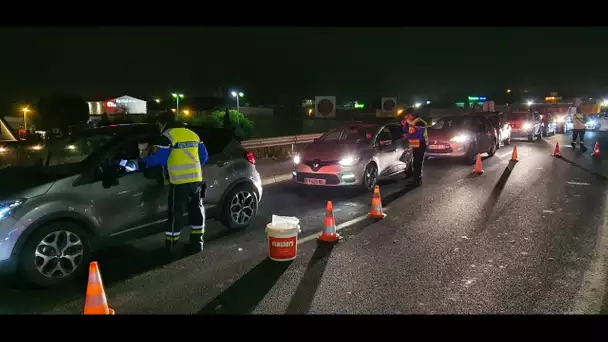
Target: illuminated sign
{"x":359,"y":105}
{"x":477,"y":98}
{"x":110,"y":104}
{"x":124,"y":101}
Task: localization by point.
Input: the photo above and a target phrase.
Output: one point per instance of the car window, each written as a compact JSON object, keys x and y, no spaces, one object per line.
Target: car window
{"x":384,"y":137}
{"x":215,"y":140}
{"x":396,"y":131}
{"x":73,"y":150}
{"x":358,"y":134}
{"x":332,"y":135}
{"x":452,"y":123}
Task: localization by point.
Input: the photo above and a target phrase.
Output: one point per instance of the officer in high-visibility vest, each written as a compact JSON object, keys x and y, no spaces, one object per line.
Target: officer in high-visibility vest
{"x":578,"y":121}
{"x":182,"y":153}
{"x":415,"y":131}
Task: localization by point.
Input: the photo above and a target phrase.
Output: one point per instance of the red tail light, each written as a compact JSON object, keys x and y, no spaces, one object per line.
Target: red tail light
{"x":250,"y":157}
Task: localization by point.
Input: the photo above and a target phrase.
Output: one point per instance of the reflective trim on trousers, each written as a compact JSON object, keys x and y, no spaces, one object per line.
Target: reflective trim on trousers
{"x":198,"y":230}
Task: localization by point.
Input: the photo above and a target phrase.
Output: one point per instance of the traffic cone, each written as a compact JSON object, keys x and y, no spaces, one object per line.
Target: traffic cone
{"x":596,"y":149}
{"x":556,"y":152}
{"x":514,"y":156}
{"x":376,"y":212}
{"x":478,"y":169}
{"x":329,"y":233}
{"x":96,"y":302}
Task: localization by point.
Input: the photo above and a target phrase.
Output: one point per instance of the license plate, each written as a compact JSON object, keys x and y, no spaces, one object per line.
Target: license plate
{"x":437,"y":147}
{"x":515,"y":130}
{"x":315,"y":181}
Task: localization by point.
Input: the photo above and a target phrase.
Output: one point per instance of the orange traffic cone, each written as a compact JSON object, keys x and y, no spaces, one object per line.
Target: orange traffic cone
{"x":514,"y":156}
{"x":96,"y":302}
{"x":556,"y":152}
{"x":478,"y":169}
{"x":376,"y":212}
{"x":329,"y":233}
{"x":596,"y":149}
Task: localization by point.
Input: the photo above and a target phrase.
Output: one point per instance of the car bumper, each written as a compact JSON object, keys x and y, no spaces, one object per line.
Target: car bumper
{"x":334,"y":175}
{"x":447,"y":150}
{"x":517,"y":133}
{"x":8,"y":238}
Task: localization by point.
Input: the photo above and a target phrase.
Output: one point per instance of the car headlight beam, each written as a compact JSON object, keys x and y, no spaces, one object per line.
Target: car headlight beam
{"x":348,"y":161}
{"x":296,"y":159}
{"x":460,"y":138}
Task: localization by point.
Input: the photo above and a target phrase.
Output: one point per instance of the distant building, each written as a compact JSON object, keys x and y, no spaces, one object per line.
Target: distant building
{"x":118,"y":106}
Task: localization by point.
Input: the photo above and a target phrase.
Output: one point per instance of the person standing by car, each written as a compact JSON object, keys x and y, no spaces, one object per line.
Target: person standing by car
{"x":415,"y":131}
{"x":579,"y":129}
{"x":183,"y":154}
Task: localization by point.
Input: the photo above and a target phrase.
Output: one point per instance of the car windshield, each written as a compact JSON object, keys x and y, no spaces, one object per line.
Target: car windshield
{"x":452,"y":123}
{"x":73,"y":150}
{"x":350,"y":135}
{"x":517,"y":116}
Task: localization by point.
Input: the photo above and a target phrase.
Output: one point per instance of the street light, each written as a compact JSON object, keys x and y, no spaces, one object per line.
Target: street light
{"x":237,"y":95}
{"x":428,"y":102}
{"x":186,"y":112}
{"x":177,"y":97}
{"x":508,"y":91}
{"x":157,"y":100}
{"x":417,"y":105}
{"x":25,"y":111}
{"x":529,"y":103}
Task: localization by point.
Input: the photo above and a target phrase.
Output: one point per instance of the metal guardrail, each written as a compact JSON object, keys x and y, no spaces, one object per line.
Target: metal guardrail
{"x":281,"y":141}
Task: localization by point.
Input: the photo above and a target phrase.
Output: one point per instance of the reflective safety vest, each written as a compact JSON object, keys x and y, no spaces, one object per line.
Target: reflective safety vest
{"x":579,"y":121}
{"x":183,"y":164}
{"x":417,"y":133}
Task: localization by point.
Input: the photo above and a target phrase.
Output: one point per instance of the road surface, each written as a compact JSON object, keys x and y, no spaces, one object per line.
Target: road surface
{"x":526,"y":237}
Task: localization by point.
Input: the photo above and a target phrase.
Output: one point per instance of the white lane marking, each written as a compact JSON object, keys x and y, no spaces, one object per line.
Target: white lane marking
{"x":338,"y":227}
{"x":577,"y":183}
{"x":504,"y":155}
{"x":548,"y":211}
{"x":590,"y":296}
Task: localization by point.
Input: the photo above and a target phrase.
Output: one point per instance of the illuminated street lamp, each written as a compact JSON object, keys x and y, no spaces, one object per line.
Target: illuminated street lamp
{"x":157,"y":100}
{"x":417,"y":105}
{"x":530,"y":103}
{"x":508,"y":91}
{"x":25,"y":111}
{"x":605,"y":103}
{"x":177,"y":97}
{"x":428,"y":102}
{"x":237,"y":95}
{"x":186,"y":112}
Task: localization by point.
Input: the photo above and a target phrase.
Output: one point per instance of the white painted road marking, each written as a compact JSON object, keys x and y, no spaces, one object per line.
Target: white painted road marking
{"x":338,"y":227}
{"x":577,"y":183}
{"x":590,"y":296}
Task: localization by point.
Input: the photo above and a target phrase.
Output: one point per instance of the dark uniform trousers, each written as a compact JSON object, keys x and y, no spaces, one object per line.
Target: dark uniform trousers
{"x":419,"y":161}
{"x":581,"y":134}
{"x":188,"y":195}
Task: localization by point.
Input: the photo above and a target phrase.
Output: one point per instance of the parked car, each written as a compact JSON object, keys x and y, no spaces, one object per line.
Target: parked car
{"x":525,"y":125}
{"x":593,"y":122}
{"x":503,"y":129}
{"x":354,"y":155}
{"x":76,"y":198}
{"x":462,"y":137}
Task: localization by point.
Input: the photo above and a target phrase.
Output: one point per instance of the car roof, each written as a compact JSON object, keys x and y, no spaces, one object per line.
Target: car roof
{"x":132,"y":128}
{"x":358,"y":125}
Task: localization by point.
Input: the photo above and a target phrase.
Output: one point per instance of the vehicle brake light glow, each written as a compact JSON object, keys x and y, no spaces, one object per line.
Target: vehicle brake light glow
{"x":250,"y":157}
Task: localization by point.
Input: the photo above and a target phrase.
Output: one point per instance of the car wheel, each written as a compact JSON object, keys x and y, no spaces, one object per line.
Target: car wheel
{"x":492,"y":150}
{"x":55,"y":254}
{"x":471,"y":157}
{"x":370,"y":176}
{"x":240,"y":207}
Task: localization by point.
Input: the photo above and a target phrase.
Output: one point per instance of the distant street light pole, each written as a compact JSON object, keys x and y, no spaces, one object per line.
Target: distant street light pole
{"x":177,"y":97}
{"x":25,"y":111}
{"x":237,"y":95}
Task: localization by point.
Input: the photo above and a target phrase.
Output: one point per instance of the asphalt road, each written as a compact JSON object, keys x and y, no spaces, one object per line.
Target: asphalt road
{"x":521,"y":238}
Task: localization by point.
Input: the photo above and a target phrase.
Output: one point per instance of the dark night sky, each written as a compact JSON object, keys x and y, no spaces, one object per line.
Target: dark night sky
{"x":272,"y":63}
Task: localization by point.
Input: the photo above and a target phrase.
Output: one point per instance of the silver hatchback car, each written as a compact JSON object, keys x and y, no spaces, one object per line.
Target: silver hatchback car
{"x":73,"y":198}
{"x":354,"y":155}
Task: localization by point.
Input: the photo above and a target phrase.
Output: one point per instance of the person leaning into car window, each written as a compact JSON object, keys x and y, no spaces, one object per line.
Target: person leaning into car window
{"x":183,"y":154}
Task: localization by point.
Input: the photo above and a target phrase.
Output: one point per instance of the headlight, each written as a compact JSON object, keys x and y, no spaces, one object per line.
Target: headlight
{"x":3,"y":149}
{"x":36,"y":147}
{"x":527,"y":125}
{"x":561,"y":119}
{"x":348,"y":161}
{"x":591,"y":123}
{"x":460,"y":138}
{"x":7,"y":206}
{"x":296,"y":159}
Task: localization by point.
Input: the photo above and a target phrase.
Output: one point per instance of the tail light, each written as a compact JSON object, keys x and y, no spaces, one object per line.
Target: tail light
{"x":250,"y":157}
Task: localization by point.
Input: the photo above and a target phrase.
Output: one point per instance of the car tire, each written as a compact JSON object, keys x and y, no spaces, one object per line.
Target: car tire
{"x":492,"y":150}
{"x":471,"y":157}
{"x":33,"y":267}
{"x":240,"y":207}
{"x":371,"y":170}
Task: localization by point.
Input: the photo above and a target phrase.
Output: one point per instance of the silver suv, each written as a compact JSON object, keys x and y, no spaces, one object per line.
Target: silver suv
{"x":73,"y":197}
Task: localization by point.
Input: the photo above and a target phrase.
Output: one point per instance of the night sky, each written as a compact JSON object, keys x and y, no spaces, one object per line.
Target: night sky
{"x":273,"y":64}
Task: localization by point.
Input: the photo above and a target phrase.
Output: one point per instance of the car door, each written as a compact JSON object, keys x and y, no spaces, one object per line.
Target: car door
{"x":403,"y":151}
{"x":386,"y":151}
{"x":129,"y":200}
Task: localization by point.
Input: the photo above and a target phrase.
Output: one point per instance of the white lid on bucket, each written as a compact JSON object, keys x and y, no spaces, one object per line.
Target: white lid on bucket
{"x":283,"y":223}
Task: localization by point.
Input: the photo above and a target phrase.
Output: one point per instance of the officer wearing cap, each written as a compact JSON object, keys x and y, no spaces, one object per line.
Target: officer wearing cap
{"x":182,"y":152}
{"x":414,"y":130}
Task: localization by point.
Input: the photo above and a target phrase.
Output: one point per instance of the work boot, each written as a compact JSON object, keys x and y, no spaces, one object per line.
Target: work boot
{"x":573,"y":145}
{"x":171,"y":248}
{"x":196,"y":244}
{"x":583,"y":148}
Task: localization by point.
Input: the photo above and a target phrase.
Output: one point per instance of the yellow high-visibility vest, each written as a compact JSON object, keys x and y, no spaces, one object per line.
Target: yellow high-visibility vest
{"x":183,"y":164}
